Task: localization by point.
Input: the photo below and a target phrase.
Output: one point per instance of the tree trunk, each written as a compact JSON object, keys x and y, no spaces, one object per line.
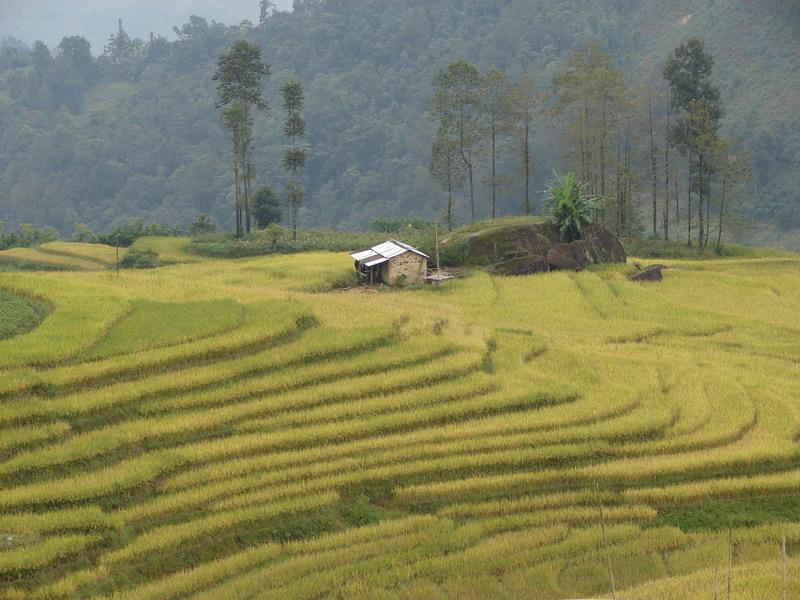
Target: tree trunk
{"x":247,"y":179}
{"x":603,"y":156}
{"x":628,"y":187}
{"x":666,"y":182}
{"x":708,"y":216}
{"x":654,"y":174}
{"x":527,"y":165}
{"x":620,"y":198}
{"x":237,"y":186}
{"x":689,"y":202}
{"x":494,"y":167}
{"x":587,"y":147}
{"x":471,"y":191}
{"x":583,"y":147}
{"x":449,"y":191}
{"x":466,"y":157}
{"x":721,"y":212}
{"x":293,"y":206}
{"x":701,"y":186}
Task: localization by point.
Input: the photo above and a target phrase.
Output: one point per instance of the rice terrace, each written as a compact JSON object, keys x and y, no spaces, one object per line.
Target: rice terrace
{"x":493,"y":437}
{"x":381,"y":300}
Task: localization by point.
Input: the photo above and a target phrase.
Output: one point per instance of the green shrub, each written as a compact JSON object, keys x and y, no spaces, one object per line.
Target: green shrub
{"x":139,"y":260}
{"x":571,"y":207}
{"x":454,"y":253}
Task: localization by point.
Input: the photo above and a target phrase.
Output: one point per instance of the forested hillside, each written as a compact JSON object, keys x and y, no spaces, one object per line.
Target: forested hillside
{"x":135,"y":131}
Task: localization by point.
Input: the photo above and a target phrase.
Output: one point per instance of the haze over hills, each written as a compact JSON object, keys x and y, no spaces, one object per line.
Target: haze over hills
{"x":51,"y":20}
{"x":144,"y":138}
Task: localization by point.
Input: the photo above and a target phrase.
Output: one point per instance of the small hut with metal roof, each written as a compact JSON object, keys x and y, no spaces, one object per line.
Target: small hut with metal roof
{"x":392,"y":263}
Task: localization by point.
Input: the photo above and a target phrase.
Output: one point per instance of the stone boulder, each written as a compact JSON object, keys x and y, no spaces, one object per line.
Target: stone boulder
{"x":651,"y":273}
{"x":522,"y":265}
{"x":523,"y":248}
{"x":561,"y":257}
{"x":583,"y":253}
{"x":496,"y":244}
{"x":604,"y":245}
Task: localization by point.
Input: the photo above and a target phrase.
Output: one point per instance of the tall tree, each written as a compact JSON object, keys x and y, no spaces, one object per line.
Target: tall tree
{"x":702,"y":137}
{"x":591,"y":94}
{"x":653,"y":163}
{"x":735,"y":172}
{"x":523,"y":100}
{"x":698,"y":109}
{"x":446,"y":167}
{"x":294,"y":157}
{"x":266,"y":207}
{"x":456,"y":105}
{"x":494,"y":104}
{"x":266,"y":8}
{"x":666,"y":177}
{"x":240,"y":90}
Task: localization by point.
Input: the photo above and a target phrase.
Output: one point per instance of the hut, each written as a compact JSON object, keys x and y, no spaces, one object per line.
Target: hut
{"x":392,"y":263}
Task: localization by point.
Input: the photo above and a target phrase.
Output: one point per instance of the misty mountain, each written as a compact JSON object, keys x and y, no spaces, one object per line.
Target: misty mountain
{"x":139,"y":135}
{"x":51,"y":20}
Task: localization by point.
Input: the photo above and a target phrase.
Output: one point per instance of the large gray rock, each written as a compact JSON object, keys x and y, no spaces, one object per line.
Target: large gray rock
{"x":582,"y":253}
{"x":496,"y":244}
{"x":603,"y":244}
{"x":652,"y":273}
{"x":521,"y":249}
{"x":562,"y":258}
{"x":522,"y":265}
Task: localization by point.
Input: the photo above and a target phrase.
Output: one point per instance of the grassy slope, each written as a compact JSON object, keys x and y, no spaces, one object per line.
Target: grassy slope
{"x":152,"y":324}
{"x":431,"y":442}
{"x":19,"y":315}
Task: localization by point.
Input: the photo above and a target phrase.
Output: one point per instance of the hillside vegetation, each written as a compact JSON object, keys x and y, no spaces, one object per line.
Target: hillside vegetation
{"x":230,"y":432}
{"x":136,"y":133}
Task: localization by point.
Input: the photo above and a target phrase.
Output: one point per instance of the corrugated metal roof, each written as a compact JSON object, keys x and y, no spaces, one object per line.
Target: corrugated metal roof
{"x":363,"y":254}
{"x":410,"y":248}
{"x":377,"y":261}
{"x":386,"y":250}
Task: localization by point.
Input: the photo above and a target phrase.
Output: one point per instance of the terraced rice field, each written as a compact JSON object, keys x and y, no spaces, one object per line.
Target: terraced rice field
{"x":217,"y":430}
{"x":62,"y":256}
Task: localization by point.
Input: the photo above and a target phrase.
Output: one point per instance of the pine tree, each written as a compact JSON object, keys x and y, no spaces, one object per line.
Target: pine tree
{"x":494,"y":105}
{"x":522,"y":103}
{"x":456,"y":105}
{"x":696,"y":102}
{"x":446,"y":166}
{"x":239,"y":77}
{"x":294,"y":157}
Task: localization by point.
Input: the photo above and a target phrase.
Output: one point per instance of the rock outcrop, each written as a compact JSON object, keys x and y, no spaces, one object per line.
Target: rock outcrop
{"x":604,"y":244}
{"x":564,"y":257}
{"x":522,"y":249}
{"x":521,"y":265}
{"x":651,"y":273}
{"x":498,"y":244}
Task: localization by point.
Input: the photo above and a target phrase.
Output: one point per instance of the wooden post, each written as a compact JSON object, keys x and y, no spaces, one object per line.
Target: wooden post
{"x":437,"y":246}
{"x":605,"y":544}
{"x":730,"y":562}
{"x":784,"y":591}
{"x":716,"y":583}
{"x":116,"y":247}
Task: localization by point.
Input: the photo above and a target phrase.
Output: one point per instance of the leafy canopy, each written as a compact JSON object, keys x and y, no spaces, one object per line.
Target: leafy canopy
{"x":571,"y":207}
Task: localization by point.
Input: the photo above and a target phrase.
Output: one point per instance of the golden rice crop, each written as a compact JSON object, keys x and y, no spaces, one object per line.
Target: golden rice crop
{"x":90,"y":518}
{"x":99,"y":253}
{"x":49,"y":260}
{"x":451,"y":441}
{"x":44,"y":553}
